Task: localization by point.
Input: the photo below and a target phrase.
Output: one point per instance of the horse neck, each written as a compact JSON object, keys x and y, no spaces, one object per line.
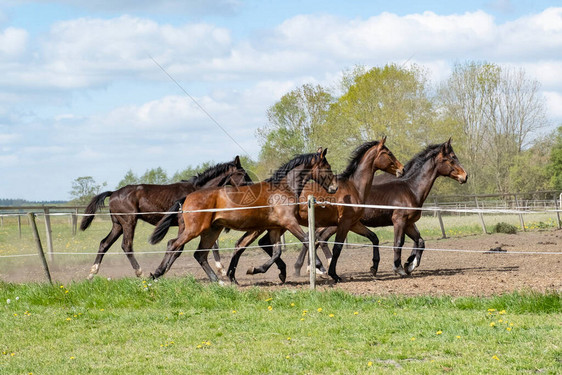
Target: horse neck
{"x":213,"y":182}
{"x":362,"y":178}
{"x":296,"y":179}
{"x":422,"y":180}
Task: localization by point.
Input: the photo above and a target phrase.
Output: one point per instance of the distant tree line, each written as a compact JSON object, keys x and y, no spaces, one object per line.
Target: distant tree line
{"x":494,"y":115}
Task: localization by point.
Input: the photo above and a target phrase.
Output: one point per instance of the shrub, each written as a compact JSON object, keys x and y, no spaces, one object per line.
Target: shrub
{"x":505,"y":228}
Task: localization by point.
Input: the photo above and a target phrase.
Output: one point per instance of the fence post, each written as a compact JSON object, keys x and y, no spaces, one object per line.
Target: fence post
{"x":31,"y":216}
{"x":74,"y":221}
{"x":481,"y":216}
{"x":558,"y":212}
{"x":283,"y":242}
{"x":520,"y":214}
{"x":49,"y":233}
{"x":312,"y":242}
{"x":19,"y":225}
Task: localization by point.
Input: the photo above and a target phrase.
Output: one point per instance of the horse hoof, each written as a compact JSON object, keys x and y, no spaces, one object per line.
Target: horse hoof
{"x":138,"y":272}
{"x":297,"y":273}
{"x":250,"y":271}
{"x":400,"y":271}
{"x":91,"y":276}
{"x":410,"y":267}
{"x":282,"y":277}
{"x":374,"y":271}
{"x":221,"y":283}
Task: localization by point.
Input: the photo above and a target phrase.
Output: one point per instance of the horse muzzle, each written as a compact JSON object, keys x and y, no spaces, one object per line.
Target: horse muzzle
{"x":332,"y":189}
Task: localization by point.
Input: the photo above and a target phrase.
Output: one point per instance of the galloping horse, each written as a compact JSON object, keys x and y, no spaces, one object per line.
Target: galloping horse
{"x":354,"y":185}
{"x":128,"y":202}
{"x":409,"y":191}
{"x":247,"y":208}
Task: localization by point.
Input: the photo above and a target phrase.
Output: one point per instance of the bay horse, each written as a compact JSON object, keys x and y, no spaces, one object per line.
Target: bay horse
{"x":354,"y":185}
{"x":411,"y":190}
{"x":145,"y":202}
{"x":246,"y":208}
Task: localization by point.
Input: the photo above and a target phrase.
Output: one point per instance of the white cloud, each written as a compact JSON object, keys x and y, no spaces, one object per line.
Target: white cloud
{"x":554,"y":103}
{"x":13,"y":42}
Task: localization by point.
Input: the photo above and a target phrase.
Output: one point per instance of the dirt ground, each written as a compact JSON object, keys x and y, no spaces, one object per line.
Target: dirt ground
{"x":453,"y":273}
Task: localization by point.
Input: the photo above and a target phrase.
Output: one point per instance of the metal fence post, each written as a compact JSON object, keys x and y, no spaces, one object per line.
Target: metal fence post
{"x":481,"y":216}
{"x":49,"y":233}
{"x":31,"y":216}
{"x":312,"y":242}
{"x":521,"y":222}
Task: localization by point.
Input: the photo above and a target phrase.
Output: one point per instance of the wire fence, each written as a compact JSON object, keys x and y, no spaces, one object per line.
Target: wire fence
{"x":16,"y":227}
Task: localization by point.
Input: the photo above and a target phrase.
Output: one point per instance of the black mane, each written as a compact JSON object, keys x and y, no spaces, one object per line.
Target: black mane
{"x":355,"y":159}
{"x":421,"y":158}
{"x":202,"y":178}
{"x":280,"y":173}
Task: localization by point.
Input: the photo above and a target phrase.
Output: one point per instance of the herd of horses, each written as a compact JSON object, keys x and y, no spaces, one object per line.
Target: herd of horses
{"x":225,"y":197}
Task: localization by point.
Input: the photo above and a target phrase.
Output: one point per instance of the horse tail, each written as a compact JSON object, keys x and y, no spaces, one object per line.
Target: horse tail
{"x":165,"y":223}
{"x":95,"y":204}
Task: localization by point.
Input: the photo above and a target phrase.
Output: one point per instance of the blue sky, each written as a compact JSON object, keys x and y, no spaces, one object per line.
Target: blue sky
{"x":81,"y":96}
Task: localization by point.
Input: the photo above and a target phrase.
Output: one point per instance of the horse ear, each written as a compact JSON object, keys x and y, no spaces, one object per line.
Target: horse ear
{"x":383,"y":139}
{"x":237,"y":161}
{"x":324,"y":153}
{"x":319,"y":150}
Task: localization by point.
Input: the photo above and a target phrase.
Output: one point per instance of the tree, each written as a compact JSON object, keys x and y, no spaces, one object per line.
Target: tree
{"x":496,"y":110}
{"x":84,"y":189}
{"x":392,"y":101}
{"x":154,"y":176}
{"x":529,"y":171}
{"x":129,"y":179}
{"x":190,"y":171}
{"x":554,"y":167}
{"x":294,"y":125}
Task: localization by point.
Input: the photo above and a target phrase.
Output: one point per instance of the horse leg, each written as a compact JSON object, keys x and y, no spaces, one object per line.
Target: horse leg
{"x":398,"y":243}
{"x":265,"y":243}
{"x":414,"y":259}
{"x":323,"y":235}
{"x":173,"y":251}
{"x":240,"y":247}
{"x":341,"y":234}
{"x":127,"y":244}
{"x":208,"y":238}
{"x":275,"y":254}
{"x":362,"y":230}
{"x":217,"y":256}
{"x":105,"y":244}
{"x":304,"y":251}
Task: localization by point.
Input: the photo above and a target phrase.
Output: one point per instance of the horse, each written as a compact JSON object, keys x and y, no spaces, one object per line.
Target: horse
{"x":145,"y":202}
{"x":354,"y":184}
{"x":411,"y":190}
{"x":248,"y":208}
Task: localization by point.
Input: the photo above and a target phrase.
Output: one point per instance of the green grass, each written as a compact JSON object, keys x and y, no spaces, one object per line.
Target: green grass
{"x":180,"y":326}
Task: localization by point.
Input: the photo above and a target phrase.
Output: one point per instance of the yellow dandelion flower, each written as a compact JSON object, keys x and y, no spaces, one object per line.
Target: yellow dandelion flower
{"x":62,"y":286}
{"x":102,"y":309}
{"x":269,"y":299}
{"x":500,"y":321}
{"x":12,"y":354}
{"x":68,"y":319}
{"x":66,"y":291}
{"x":458,"y":337}
{"x":72,"y":357}
{"x":292,"y":304}
{"x":492,"y":324}
{"x":491,"y":310}
{"x":511,"y":324}
{"x":180,"y":313}
{"x":269,"y":307}
{"x":369,"y":363}
{"x":15,"y":314}
{"x":438,"y":332}
{"x":508,"y":328}
{"x":356,"y":313}
{"x":234,"y":311}
{"x":198,"y":346}
{"x":502,"y":312}
{"x":495,"y":357}
{"x":288,"y":339}
{"x":413,"y":339}
{"x":331,"y":315}
{"x":319,"y":309}
{"x":302,"y":319}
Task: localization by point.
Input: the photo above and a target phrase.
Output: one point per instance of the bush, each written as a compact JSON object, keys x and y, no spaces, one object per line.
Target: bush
{"x":505,"y":228}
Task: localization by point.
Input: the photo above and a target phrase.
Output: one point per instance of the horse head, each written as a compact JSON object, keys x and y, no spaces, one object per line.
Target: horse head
{"x":449,"y":165}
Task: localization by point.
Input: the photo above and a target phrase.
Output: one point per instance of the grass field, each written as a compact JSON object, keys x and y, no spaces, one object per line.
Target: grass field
{"x":179,"y":326}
